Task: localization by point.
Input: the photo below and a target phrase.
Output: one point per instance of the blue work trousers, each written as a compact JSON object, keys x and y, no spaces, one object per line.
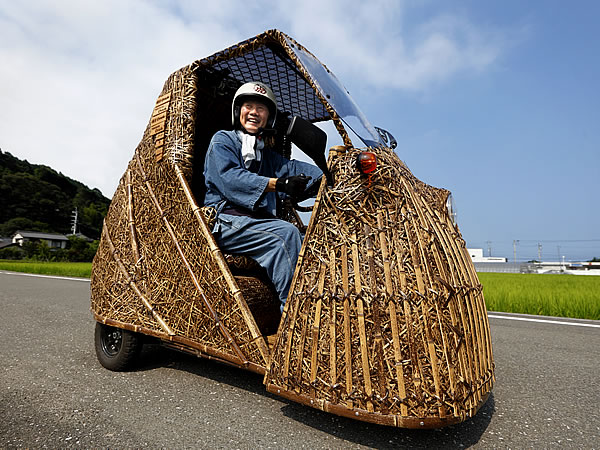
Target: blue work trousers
{"x":273,"y":243}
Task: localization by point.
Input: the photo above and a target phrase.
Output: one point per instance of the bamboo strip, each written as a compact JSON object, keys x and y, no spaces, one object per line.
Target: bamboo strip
{"x":356,"y":265}
{"x":131,"y":221}
{"x":400,"y":266}
{"x":414,"y":357}
{"x":332,"y":321}
{"x":477,"y":313}
{"x":315,"y":341}
{"x":378,"y":354}
{"x":480,"y":345}
{"x":384,"y":253}
{"x":484,"y":326}
{"x":345,"y":281}
{"x":348,"y":350}
{"x":316,"y":325}
{"x":364,"y":353}
{"x":432,"y":356}
{"x":300,"y":355}
{"x":398,"y":358}
{"x":370,"y":259}
{"x":347,"y":335}
{"x":473,"y":345}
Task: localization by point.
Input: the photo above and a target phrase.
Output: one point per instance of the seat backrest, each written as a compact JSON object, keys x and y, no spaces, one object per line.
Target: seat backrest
{"x":213,"y":113}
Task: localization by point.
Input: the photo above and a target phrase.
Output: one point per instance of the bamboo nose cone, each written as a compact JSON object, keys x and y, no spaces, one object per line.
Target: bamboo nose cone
{"x":386,"y":320}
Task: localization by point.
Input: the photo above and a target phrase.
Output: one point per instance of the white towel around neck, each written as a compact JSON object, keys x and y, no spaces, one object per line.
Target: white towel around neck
{"x":251,"y":148}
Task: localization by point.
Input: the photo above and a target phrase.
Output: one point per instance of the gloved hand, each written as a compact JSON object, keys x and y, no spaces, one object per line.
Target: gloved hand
{"x":293,"y":186}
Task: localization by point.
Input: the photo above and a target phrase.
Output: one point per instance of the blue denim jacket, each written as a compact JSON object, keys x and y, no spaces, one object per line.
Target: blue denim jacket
{"x":230,"y":184}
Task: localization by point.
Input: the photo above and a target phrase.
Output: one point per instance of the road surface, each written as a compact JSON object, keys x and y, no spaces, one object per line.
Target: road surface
{"x":53,"y":392}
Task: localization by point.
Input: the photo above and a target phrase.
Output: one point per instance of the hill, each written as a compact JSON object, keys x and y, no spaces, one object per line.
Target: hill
{"x":37,"y":198}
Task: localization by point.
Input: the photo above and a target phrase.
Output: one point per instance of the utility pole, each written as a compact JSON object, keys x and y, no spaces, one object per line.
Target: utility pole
{"x":539,"y":252}
{"x":515,"y":242}
{"x":489,"y":244}
{"x":74,"y":222}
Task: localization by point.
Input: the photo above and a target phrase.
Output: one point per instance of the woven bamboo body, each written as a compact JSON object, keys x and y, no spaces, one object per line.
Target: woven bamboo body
{"x":385,"y":321}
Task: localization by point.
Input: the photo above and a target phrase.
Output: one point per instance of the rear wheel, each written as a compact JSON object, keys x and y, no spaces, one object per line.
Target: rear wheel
{"x":116,"y":349}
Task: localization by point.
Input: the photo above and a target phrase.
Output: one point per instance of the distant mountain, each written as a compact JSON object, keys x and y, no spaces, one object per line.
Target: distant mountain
{"x":37,"y":198}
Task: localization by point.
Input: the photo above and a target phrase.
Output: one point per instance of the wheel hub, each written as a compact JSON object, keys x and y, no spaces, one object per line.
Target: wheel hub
{"x":112,"y":341}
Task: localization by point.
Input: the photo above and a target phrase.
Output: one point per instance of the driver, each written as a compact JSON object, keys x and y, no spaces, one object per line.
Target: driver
{"x":243,"y":178}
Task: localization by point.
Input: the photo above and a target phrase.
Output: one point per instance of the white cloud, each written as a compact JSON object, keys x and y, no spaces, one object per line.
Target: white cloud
{"x":79,"y":78}
{"x":372,"y":42}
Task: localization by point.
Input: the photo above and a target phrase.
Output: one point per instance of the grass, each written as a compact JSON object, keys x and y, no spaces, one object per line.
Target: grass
{"x":66,"y":269}
{"x":546,"y":295}
{"x":575,"y":296}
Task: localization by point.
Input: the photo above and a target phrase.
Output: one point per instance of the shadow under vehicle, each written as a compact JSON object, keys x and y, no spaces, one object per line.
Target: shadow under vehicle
{"x":385,"y":321}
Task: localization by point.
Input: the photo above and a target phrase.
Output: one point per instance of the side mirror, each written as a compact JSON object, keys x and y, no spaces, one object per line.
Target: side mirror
{"x":312,"y":141}
{"x":387,"y":137}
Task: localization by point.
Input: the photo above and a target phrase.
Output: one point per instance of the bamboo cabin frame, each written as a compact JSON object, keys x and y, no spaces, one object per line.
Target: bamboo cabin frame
{"x":385,"y":321}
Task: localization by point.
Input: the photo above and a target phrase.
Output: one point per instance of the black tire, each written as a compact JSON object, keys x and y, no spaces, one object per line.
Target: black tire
{"x":116,"y":349}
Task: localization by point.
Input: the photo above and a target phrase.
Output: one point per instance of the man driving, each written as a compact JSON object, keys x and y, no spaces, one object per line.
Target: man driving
{"x":243,"y":178}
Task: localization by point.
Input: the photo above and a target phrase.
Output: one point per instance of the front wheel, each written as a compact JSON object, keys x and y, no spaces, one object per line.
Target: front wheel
{"x":116,"y":349}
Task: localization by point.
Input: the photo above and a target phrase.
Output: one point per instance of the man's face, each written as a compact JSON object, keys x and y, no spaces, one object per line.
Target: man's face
{"x":253,"y":115}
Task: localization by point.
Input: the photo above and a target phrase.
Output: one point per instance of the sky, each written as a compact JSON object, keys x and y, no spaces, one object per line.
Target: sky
{"x":497,"y":101}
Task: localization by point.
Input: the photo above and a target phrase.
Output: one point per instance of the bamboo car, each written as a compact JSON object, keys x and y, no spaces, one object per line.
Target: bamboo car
{"x":385,"y":321}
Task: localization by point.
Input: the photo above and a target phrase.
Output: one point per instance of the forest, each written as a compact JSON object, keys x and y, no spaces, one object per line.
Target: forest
{"x":37,"y":198}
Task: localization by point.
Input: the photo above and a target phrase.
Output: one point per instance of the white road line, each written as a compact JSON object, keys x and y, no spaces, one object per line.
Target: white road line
{"x":556,"y":322}
{"x":56,"y":277}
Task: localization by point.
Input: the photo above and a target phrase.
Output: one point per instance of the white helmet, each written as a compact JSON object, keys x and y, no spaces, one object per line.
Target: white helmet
{"x":259,"y":91}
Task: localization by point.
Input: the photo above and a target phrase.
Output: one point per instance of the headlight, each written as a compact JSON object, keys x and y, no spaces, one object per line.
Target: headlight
{"x":366,"y":162}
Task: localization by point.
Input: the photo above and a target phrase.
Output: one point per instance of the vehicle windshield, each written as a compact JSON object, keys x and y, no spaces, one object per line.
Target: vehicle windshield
{"x":335,"y":93}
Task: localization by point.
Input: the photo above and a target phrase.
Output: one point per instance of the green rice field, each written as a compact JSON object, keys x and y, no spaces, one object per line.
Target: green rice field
{"x":66,"y":269}
{"x":574,"y":296}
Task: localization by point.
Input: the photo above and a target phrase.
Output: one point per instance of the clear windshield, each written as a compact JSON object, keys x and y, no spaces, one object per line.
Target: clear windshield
{"x":337,"y":96}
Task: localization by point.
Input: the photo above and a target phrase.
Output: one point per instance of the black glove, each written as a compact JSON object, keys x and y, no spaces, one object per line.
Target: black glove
{"x":312,"y":191}
{"x":292,"y":186}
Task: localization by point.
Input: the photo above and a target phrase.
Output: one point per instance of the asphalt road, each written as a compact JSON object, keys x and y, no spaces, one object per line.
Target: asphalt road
{"x":53,"y":392}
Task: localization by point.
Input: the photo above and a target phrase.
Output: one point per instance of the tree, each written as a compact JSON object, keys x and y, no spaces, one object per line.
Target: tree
{"x":9,"y":227}
{"x":12,"y":252}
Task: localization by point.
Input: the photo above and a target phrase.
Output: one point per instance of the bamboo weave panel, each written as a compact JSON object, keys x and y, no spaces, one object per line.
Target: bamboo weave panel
{"x":160,"y":272}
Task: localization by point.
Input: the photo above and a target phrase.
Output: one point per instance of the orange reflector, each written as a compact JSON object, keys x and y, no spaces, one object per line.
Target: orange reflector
{"x":366,"y":162}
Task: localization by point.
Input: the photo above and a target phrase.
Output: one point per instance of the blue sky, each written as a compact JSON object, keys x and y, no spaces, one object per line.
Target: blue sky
{"x":497,"y":101}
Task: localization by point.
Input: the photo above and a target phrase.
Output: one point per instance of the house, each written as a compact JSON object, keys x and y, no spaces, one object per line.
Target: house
{"x":5,"y":242}
{"x":53,"y":240}
{"x":477,"y":256}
